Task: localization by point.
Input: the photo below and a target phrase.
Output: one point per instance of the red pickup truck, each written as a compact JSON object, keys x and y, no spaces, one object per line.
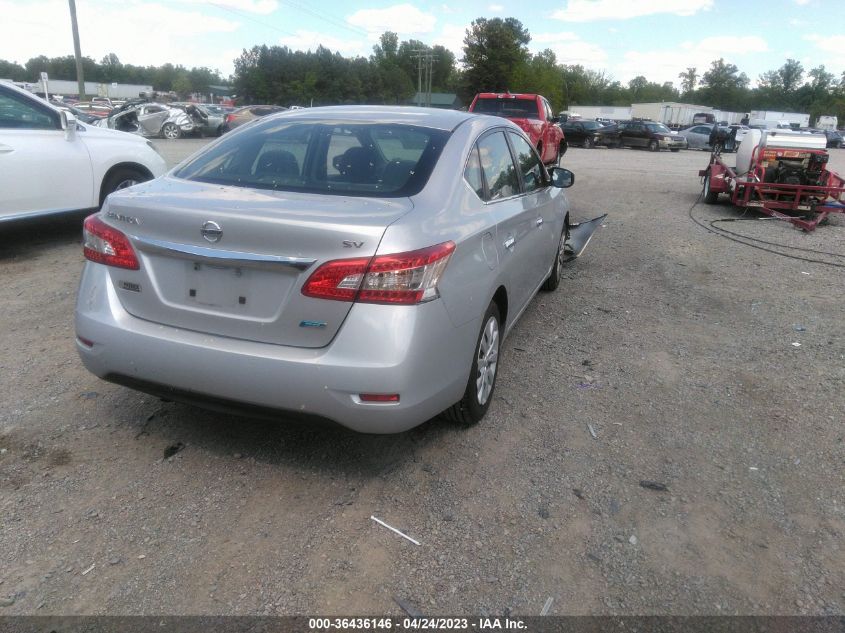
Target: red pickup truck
{"x":530,"y":112}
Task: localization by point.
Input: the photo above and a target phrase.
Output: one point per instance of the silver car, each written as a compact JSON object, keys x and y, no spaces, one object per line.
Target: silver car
{"x":151,"y":120}
{"x":360,"y":264}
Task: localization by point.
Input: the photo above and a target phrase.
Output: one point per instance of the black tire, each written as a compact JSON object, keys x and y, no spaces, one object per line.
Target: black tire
{"x":171,"y":131}
{"x":469,"y":409}
{"x":588,"y":142}
{"x":219,"y":130}
{"x":120,"y":179}
{"x":562,"y":148}
{"x":653,"y":146}
{"x":553,"y":280}
{"x":674,"y":149}
{"x":710,"y":197}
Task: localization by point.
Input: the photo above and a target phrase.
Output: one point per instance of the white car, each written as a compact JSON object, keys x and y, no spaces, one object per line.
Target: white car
{"x":50,"y":163}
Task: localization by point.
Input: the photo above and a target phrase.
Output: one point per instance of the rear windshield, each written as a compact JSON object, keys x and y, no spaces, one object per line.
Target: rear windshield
{"x":511,"y":108}
{"x":366,"y":159}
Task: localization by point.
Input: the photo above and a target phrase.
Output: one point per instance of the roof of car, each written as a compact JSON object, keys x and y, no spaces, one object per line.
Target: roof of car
{"x":403,"y":115}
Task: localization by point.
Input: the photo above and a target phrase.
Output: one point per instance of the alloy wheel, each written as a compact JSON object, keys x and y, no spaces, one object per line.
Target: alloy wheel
{"x":487,"y":360}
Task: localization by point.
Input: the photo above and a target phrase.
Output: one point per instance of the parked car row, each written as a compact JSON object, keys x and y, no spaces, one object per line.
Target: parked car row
{"x":646,"y":134}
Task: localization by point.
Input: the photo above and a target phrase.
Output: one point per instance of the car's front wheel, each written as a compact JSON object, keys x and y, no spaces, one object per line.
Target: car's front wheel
{"x":553,"y":280}
{"x":653,"y":146}
{"x":588,"y":143}
{"x":121,"y":179}
{"x":482,"y":378}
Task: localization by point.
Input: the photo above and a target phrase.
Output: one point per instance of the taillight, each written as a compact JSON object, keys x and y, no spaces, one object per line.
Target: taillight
{"x":402,"y":278}
{"x":105,"y":245}
{"x":230,"y":118}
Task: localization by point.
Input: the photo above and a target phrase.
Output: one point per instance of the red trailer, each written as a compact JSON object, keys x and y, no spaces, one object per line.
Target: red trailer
{"x":781,"y":173}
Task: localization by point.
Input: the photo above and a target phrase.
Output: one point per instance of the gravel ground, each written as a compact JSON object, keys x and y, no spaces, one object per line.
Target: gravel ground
{"x":668,"y":356}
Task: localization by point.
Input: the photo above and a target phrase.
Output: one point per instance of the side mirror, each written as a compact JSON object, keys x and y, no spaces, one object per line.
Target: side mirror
{"x":555,"y":119}
{"x":562,"y":178}
{"x":68,"y":124}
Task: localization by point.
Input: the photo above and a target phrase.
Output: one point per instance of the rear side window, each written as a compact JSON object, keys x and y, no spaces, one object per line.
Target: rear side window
{"x":17,"y":112}
{"x":368,"y":159}
{"x":472,"y":173}
{"x":497,"y":166}
{"x":507,"y":107}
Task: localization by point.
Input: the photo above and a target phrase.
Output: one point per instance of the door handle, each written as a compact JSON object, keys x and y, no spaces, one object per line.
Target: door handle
{"x":508,"y":243}
{"x":539,"y":221}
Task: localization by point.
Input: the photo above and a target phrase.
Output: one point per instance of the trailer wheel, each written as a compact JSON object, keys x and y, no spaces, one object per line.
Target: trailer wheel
{"x":710,"y":197}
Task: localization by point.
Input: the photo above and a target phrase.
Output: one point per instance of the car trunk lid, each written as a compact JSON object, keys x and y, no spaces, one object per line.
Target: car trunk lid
{"x":231,"y":261}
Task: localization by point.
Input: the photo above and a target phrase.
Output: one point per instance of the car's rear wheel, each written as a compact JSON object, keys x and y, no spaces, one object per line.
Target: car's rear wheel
{"x":553,"y":280}
{"x":171,"y":131}
{"x":653,"y":146}
{"x":121,"y":179}
{"x":674,"y":149}
{"x":482,"y":378}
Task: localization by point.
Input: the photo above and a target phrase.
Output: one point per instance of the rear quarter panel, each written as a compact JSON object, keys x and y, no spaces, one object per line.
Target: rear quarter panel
{"x":448,"y":209}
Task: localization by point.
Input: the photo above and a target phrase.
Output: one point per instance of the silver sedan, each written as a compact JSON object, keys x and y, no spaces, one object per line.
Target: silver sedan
{"x":356,"y":264}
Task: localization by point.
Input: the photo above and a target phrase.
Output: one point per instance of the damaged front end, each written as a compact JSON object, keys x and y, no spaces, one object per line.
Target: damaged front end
{"x":580,"y":234}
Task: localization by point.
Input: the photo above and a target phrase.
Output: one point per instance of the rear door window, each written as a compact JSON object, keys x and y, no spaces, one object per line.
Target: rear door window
{"x":533,"y":174}
{"x":498,"y":167}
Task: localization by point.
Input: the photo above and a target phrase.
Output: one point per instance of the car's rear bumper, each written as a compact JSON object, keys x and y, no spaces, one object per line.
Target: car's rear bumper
{"x":413,"y":351}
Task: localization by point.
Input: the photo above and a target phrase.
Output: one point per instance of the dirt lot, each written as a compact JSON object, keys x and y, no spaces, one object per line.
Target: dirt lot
{"x":673,"y":346}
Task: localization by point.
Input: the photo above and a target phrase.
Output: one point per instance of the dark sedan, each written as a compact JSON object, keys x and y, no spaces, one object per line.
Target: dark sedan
{"x":590,"y":133}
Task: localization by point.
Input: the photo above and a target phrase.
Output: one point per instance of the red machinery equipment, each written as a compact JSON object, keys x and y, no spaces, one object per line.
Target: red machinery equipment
{"x":780,"y":173}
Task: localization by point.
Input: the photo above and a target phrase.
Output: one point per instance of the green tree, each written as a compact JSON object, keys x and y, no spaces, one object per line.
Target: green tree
{"x":182,"y":85}
{"x":689,"y":79}
{"x":495,"y":54}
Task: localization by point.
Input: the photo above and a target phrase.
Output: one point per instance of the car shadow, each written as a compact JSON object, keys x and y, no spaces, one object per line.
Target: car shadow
{"x":29,"y":238}
{"x":318,"y":447}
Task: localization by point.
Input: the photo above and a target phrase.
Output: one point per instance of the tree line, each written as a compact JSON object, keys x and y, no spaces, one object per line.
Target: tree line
{"x":495,"y":58}
{"x":164,"y":78}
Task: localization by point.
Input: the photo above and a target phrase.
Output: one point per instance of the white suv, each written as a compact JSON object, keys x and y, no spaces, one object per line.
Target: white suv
{"x":51,"y":163}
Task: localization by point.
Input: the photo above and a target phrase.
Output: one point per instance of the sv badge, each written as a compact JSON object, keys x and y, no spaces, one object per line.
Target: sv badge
{"x":352,"y":243}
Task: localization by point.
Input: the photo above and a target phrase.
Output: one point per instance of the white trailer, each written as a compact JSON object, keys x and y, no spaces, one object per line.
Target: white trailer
{"x":94,"y":89}
{"x":796,"y":119}
{"x":615,"y":113}
{"x":826,"y":122}
{"x":670,"y":112}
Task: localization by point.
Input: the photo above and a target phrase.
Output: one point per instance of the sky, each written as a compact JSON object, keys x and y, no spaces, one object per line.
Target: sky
{"x":623,"y":38}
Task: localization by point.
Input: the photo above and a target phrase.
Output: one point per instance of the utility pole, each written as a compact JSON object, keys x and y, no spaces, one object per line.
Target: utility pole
{"x":425,"y":62}
{"x":77,"y":51}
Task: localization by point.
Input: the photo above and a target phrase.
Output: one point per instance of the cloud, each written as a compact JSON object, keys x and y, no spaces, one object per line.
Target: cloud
{"x":569,"y":48}
{"x":452,"y":37}
{"x":833,"y":47}
{"x":801,"y":3}
{"x":141,"y":34}
{"x":591,"y":10}
{"x":310,"y":40}
{"x":496,"y":8}
{"x":404,"y":19}
{"x":661,"y":65}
